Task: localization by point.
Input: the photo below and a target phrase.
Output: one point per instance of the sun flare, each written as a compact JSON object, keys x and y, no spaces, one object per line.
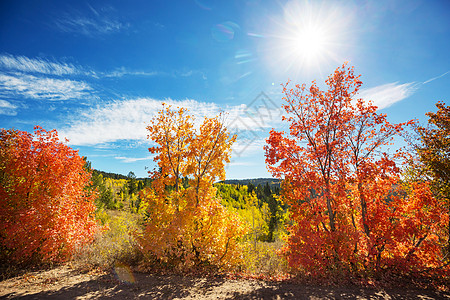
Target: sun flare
{"x":309,"y":43}
{"x":309,"y":37}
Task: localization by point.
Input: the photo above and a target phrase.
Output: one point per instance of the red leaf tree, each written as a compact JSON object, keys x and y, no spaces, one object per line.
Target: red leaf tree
{"x":46,"y":210}
{"x":349,"y":212}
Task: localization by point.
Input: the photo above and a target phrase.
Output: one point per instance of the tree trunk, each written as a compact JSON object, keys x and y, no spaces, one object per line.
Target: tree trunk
{"x":362,"y":199}
{"x":329,"y":207}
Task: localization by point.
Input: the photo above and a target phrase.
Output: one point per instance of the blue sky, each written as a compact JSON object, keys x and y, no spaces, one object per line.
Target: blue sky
{"x":97,"y":71}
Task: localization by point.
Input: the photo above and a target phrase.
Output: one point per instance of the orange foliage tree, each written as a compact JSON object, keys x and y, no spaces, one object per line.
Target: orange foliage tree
{"x":433,"y":158}
{"x":349,"y":211}
{"x":46,"y":210}
{"x":186,"y":225}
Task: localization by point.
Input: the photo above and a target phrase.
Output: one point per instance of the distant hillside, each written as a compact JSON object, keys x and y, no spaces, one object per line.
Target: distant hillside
{"x":111,"y":175}
{"x":273,"y":182}
{"x":118,"y":176}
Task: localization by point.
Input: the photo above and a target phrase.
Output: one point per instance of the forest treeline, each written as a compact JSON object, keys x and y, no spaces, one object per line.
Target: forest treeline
{"x":273,"y":182}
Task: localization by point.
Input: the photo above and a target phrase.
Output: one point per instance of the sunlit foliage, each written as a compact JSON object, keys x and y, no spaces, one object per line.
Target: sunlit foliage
{"x":432,"y":160}
{"x":46,"y":210}
{"x":186,"y":225}
{"x":349,"y":211}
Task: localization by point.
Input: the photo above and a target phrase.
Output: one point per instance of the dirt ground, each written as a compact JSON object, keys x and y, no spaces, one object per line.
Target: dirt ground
{"x":66,"y":283}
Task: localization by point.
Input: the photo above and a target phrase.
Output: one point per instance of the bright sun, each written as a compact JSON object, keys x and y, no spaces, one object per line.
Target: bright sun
{"x":309,"y":37}
{"x":309,"y":44}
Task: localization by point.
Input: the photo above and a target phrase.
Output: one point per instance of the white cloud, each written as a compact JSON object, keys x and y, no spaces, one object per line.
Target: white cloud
{"x":124,"y":120}
{"x":437,"y":77}
{"x":36,"y":65}
{"x":127,"y":120}
{"x":240,"y":163}
{"x":121,"y":72}
{"x":21,"y":64}
{"x":124,"y":72}
{"x":7,"y":108}
{"x":189,"y":73}
{"x":387,"y":94}
{"x":245,"y":147}
{"x":90,"y":25}
{"x":133,"y":159}
{"x":34,"y":87}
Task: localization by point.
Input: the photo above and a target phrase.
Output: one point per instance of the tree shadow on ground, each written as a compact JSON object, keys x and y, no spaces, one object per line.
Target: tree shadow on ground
{"x":148,"y":286}
{"x":142,"y":286}
{"x":298,"y":291}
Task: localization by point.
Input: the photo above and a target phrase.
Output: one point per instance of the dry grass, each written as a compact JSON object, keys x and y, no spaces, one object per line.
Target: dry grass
{"x":115,"y":245}
{"x":262,"y":258}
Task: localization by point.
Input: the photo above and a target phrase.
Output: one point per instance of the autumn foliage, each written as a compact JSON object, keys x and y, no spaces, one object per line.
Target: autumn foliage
{"x":432,"y":162}
{"x":354,"y":209}
{"x":186,"y":226}
{"x":351,"y":211}
{"x":46,"y":212}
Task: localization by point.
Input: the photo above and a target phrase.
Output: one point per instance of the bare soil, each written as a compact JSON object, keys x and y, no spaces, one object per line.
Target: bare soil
{"x":64,"y":282}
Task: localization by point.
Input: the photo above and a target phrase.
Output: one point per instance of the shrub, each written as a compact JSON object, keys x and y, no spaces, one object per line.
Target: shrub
{"x":116,"y":244}
{"x":46,"y":211}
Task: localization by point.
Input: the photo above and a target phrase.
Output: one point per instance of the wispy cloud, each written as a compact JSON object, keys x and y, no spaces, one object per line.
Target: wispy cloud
{"x":133,"y":159}
{"x":38,"y":78}
{"x":91,"y":24}
{"x":386,"y":95}
{"x":7,"y":108}
{"x":437,"y":77}
{"x":189,"y":73}
{"x":36,"y":65}
{"x":33,"y":87}
{"x":240,"y":163}
{"x":14,"y":64}
{"x":244,"y":147}
{"x":121,"y":72}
